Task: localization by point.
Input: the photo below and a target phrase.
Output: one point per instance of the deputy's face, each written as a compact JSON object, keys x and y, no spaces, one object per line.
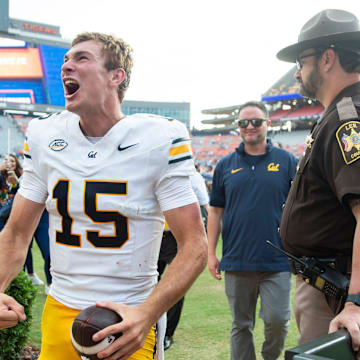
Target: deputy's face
{"x":308,"y":74}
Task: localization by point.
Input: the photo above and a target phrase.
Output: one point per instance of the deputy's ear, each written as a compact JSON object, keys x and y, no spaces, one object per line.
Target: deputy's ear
{"x":328,"y":58}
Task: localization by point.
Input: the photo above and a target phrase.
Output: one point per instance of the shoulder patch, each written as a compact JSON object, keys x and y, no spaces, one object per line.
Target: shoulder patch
{"x":348,"y":137}
{"x":346,"y":109}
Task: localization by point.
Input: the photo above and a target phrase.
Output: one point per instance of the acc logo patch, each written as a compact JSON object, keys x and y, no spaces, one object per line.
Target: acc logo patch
{"x":58,"y":145}
{"x":348,"y":137}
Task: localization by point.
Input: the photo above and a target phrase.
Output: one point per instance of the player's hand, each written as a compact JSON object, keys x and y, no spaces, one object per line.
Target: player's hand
{"x":213,"y":265}
{"x":10,"y":312}
{"x":134,"y":327}
{"x":348,"y":318}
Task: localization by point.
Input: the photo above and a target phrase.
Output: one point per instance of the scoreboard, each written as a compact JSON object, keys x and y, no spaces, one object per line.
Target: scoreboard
{"x":31,"y":74}
{"x":31,"y":55}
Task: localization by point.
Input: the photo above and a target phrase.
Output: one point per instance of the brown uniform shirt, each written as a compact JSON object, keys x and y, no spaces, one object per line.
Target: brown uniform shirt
{"x":317,"y":220}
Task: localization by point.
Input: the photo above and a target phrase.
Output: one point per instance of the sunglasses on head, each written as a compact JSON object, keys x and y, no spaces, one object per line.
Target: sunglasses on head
{"x":254,"y":122}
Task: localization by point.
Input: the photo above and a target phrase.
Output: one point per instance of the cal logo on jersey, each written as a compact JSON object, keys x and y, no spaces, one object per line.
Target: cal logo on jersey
{"x":273,"y":167}
{"x":348,"y":137}
{"x":180,"y":150}
{"x":58,"y":145}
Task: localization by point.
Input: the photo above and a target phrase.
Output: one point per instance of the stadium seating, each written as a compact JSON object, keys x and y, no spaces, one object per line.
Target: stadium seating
{"x":208,"y":150}
{"x":279,"y":114}
{"x":299,"y":113}
{"x":22,"y":122}
{"x":9,"y":129}
{"x":306,"y":111}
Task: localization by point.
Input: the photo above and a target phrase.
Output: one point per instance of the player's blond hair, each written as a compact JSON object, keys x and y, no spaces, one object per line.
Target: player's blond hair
{"x":118,"y":55}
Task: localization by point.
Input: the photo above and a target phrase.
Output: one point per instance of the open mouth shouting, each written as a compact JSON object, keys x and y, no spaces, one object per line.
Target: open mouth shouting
{"x":71,"y":87}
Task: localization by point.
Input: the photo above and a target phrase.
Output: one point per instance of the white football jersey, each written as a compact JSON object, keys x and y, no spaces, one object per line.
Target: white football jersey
{"x":106,"y":221}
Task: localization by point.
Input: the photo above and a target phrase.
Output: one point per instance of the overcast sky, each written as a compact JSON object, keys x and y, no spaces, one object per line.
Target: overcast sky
{"x":209,"y":53}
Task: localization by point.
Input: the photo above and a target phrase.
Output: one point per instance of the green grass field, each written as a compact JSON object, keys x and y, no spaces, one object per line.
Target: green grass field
{"x":204,"y":328}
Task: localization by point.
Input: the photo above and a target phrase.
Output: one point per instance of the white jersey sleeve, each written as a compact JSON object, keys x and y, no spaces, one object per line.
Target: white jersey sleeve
{"x":32,"y":187}
{"x":178,"y":151}
{"x":171,"y":191}
{"x":199,"y":187}
{"x":175,"y":192}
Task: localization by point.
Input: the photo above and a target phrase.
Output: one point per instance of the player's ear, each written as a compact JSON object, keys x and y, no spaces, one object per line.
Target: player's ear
{"x":118,"y":76}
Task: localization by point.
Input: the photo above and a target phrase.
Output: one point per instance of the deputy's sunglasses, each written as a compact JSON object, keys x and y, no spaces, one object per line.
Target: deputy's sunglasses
{"x":254,"y":122}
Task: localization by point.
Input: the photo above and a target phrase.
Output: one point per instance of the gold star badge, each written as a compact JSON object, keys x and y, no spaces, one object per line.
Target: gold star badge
{"x":309,"y":140}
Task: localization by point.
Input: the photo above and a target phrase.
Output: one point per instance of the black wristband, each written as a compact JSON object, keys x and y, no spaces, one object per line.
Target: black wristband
{"x":354,"y":298}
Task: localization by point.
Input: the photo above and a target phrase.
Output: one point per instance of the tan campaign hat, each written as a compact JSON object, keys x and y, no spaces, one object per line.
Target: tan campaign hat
{"x":328,"y":27}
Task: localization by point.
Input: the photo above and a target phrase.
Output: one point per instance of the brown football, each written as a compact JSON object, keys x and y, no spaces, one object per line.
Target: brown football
{"x":86,"y":324}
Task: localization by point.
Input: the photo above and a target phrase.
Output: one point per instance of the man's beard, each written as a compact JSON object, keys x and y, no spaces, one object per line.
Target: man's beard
{"x":258,"y":139}
{"x":312,"y":85}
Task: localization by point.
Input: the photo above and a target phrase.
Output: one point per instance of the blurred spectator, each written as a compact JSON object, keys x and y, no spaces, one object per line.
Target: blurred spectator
{"x":41,"y":236}
{"x":168,"y":251}
{"x":11,"y":171}
{"x":207,"y":174}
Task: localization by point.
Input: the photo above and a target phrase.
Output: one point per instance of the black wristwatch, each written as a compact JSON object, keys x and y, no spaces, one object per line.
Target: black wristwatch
{"x":354,"y":298}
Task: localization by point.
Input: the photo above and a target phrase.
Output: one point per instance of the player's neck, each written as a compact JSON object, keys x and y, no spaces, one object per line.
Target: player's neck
{"x":99,"y":123}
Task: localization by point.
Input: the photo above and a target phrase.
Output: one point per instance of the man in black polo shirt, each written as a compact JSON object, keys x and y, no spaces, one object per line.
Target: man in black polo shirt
{"x":322,"y":213}
{"x":249,"y":187}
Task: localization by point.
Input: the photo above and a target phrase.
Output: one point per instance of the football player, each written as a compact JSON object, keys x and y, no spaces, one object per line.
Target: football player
{"x":107,"y":181}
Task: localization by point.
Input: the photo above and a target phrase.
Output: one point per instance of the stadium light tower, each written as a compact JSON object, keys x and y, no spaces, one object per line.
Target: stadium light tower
{"x":29,"y":31}
{"x":4,"y":15}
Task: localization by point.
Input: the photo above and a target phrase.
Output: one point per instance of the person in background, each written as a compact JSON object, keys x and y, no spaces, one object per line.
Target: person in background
{"x":321,"y":217}
{"x":168,"y":251}
{"x":207,"y":174}
{"x":11,"y":171}
{"x":41,"y":237}
{"x":249,"y":189}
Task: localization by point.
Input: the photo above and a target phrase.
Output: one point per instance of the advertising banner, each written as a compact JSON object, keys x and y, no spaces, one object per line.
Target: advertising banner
{"x":20,"y":63}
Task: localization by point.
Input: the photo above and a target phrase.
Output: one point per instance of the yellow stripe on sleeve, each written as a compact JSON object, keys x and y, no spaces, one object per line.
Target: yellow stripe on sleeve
{"x":180,"y":150}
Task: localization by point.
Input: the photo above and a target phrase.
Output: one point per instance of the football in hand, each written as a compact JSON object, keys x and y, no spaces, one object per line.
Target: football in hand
{"x":86,"y":324}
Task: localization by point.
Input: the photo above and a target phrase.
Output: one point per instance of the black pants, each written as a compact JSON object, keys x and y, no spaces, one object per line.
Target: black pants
{"x":168,"y":251}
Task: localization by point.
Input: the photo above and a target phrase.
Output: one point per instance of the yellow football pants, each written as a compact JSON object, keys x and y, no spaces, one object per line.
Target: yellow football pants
{"x":55,"y":327}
